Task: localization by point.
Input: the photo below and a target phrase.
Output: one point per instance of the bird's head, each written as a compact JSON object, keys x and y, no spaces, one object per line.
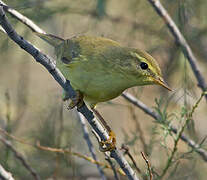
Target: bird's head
{"x":147,"y":69}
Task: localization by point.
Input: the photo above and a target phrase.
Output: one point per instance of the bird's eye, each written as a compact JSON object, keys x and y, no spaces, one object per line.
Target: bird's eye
{"x":65,"y":60}
{"x":143,"y":65}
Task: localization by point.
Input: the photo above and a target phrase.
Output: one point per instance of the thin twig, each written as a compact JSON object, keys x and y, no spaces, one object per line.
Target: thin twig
{"x":182,"y":42}
{"x":126,"y":151}
{"x":89,"y":143}
{"x":38,"y":146}
{"x":2,"y":131}
{"x":65,"y":151}
{"x":21,"y":18}
{"x":139,"y":129}
{"x":148,"y":165}
{"x":133,"y":23}
{"x":20,"y":157}
{"x":127,"y":96}
{"x":107,"y":158}
{"x":202,"y":152}
{"x":4,"y":175}
{"x":57,"y":75}
{"x":178,"y":136}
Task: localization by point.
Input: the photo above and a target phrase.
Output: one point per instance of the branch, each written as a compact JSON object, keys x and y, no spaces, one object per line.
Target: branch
{"x":65,"y":84}
{"x":139,"y":129}
{"x":89,"y":143}
{"x":181,"y":41}
{"x":4,"y":175}
{"x":148,"y":165}
{"x":178,"y":136}
{"x":65,"y":151}
{"x":126,"y":151}
{"x":149,"y":111}
{"x":35,"y":28}
{"x":58,"y":150}
{"x":21,"y":158}
{"x":21,"y":18}
{"x":107,"y":158}
{"x":127,"y":96}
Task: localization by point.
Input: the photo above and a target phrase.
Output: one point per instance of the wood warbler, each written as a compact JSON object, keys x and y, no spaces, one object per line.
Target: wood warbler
{"x":100,"y":69}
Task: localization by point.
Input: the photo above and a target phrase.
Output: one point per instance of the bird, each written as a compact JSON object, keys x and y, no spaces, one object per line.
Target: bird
{"x":100,"y":69}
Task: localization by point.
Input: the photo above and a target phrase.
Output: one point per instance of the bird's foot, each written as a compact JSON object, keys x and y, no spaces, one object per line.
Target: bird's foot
{"x":109,"y":144}
{"x":76,"y":101}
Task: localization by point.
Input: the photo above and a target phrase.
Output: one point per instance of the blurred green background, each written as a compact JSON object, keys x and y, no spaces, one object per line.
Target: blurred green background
{"x":30,"y":99}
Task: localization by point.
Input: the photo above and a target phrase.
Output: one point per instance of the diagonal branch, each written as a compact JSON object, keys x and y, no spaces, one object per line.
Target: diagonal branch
{"x":36,"y":28}
{"x":65,"y":84}
{"x":127,"y":96}
{"x":89,"y":143}
{"x":21,"y":18}
{"x":58,"y":150}
{"x":21,"y":158}
{"x":181,"y":41}
{"x":4,"y":175}
{"x":188,"y":118}
{"x":202,"y":152}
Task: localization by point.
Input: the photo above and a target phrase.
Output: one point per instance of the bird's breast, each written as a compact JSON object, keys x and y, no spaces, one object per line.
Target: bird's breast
{"x":97,"y":83}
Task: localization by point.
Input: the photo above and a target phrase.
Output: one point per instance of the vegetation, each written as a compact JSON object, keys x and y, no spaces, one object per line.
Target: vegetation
{"x":32,"y":111}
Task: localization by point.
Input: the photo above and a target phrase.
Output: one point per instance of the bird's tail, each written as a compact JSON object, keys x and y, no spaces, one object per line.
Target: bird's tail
{"x":51,"y":39}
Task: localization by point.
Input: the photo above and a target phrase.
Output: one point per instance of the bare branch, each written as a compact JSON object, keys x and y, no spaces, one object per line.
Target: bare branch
{"x":126,"y":151}
{"x":139,"y":129}
{"x":107,"y":158}
{"x":57,"y":75}
{"x":4,"y":175}
{"x":89,"y":143}
{"x":36,"y":28}
{"x":139,"y":104}
{"x":148,"y":165}
{"x":202,"y":152}
{"x":181,"y":41}
{"x":22,"y":18}
{"x":20,"y":157}
{"x":64,"y":151}
{"x":178,"y":136}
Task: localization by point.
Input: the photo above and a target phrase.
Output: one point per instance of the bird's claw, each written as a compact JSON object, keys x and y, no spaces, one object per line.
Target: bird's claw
{"x":109,"y":144}
{"x":76,"y":101}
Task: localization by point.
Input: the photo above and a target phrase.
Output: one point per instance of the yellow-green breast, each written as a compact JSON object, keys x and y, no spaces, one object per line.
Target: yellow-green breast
{"x":98,"y":67}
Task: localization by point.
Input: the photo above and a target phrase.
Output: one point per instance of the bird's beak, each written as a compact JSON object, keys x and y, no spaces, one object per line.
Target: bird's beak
{"x":161,"y":82}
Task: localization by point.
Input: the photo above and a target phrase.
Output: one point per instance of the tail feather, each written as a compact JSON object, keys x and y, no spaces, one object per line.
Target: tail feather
{"x":51,"y":39}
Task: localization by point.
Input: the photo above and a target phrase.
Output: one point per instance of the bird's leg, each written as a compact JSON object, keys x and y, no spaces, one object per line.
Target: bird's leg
{"x":111,"y":142}
{"x":76,"y":101}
